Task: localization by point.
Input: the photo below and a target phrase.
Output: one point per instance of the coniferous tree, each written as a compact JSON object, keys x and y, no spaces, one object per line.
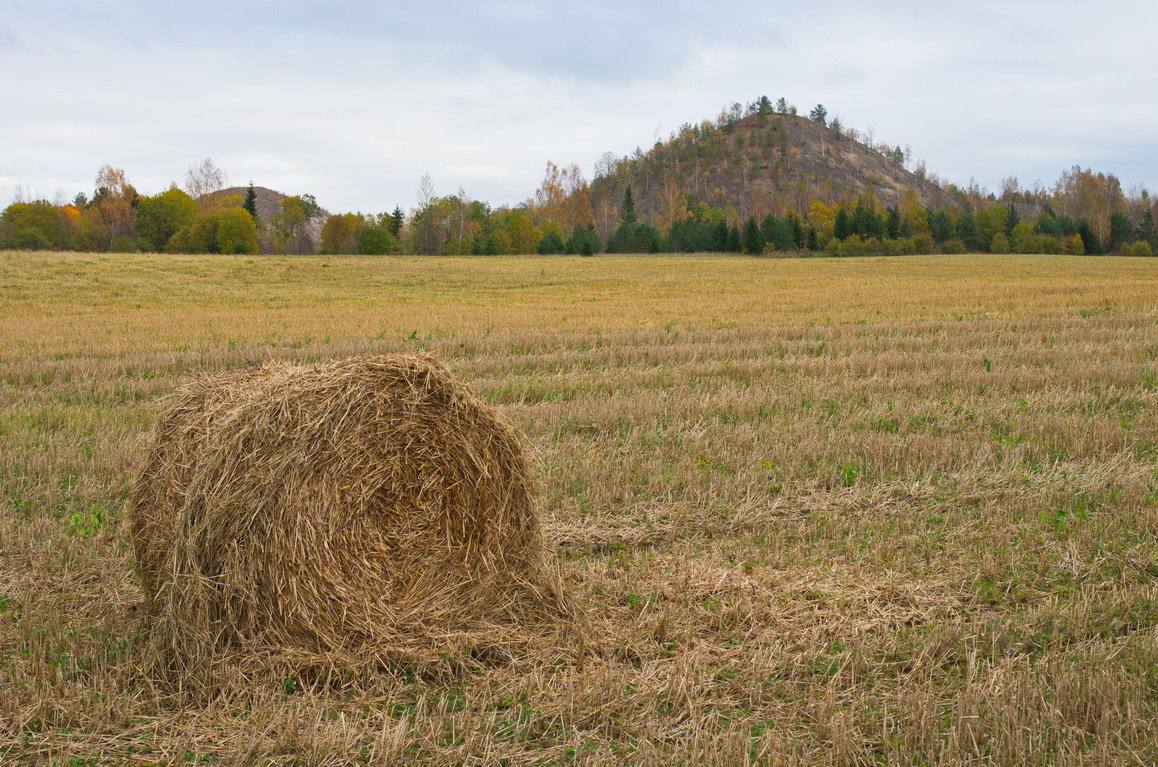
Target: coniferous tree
{"x":867,"y":223}
{"x":1147,"y":231}
{"x":1047,"y":222}
{"x":842,"y":226}
{"x":940,"y":226}
{"x":735,"y":240}
{"x":796,"y":225}
{"x":968,"y":232}
{"x":1011,"y":221}
{"x":250,"y":204}
{"x":1121,"y":231}
{"x":1093,"y":245}
{"x":551,"y":244}
{"x":768,"y":230}
{"x":894,"y":225}
{"x":627,"y":212}
{"x":396,"y":221}
{"x":720,"y":237}
{"x":634,"y":238}
{"x":783,"y":234}
{"x":584,"y":240}
{"x":753,"y":238}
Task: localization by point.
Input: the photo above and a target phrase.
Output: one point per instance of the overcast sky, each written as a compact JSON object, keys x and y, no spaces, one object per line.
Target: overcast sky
{"x":353,"y":102}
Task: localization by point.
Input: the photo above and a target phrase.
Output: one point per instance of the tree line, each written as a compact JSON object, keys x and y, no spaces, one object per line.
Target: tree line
{"x":195,"y":218}
{"x":1083,"y":213}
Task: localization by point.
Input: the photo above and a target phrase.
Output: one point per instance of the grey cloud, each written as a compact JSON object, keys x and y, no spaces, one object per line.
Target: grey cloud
{"x":359,"y":99}
{"x":9,"y":40}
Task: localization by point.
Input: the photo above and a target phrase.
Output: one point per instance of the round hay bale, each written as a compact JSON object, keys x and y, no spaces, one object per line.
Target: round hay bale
{"x":370,"y":509}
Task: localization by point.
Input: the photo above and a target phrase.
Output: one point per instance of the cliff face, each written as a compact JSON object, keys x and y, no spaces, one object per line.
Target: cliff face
{"x":758,"y":165}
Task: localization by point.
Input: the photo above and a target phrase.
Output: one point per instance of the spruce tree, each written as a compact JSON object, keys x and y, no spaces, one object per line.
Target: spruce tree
{"x":753,"y":239}
{"x":735,"y":240}
{"x":627,"y":212}
{"x":551,"y":244}
{"x":968,"y":232}
{"x":894,"y":225}
{"x":396,"y":219}
{"x":589,"y":245}
{"x":1121,"y":231}
{"x":720,"y":237}
{"x":1011,"y":221}
{"x":250,"y":203}
{"x":842,"y":227}
{"x":1093,"y":246}
{"x":1147,"y":229}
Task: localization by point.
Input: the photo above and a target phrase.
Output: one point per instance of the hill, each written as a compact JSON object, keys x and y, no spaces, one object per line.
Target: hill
{"x":269,"y":206}
{"x":755,"y":165}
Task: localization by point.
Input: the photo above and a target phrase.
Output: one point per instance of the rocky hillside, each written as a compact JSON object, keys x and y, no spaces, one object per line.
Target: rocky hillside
{"x":756,"y":165}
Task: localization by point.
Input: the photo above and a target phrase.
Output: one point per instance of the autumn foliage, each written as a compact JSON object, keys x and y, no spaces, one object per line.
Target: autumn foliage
{"x":759,"y":178}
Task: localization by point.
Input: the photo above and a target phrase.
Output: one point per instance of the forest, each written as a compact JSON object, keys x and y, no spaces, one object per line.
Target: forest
{"x":758,"y":179}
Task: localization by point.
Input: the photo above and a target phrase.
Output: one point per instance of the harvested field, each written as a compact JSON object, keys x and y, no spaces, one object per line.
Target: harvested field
{"x":813,"y":511}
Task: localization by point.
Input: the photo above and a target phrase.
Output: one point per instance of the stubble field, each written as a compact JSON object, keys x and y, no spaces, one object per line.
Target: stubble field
{"x":855,"y":511}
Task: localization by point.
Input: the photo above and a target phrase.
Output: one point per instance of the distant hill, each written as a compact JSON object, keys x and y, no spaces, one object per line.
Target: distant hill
{"x":757,"y":165}
{"x":269,"y":205}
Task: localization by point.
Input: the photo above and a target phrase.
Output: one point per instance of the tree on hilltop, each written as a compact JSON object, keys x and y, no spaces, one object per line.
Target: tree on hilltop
{"x":250,"y":204}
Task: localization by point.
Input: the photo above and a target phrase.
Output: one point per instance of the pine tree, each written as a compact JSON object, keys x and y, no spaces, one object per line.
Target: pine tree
{"x":250,"y":203}
{"x":396,"y":219}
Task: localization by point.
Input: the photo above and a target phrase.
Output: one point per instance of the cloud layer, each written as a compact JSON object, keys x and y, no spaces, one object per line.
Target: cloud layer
{"x":353,"y":103}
